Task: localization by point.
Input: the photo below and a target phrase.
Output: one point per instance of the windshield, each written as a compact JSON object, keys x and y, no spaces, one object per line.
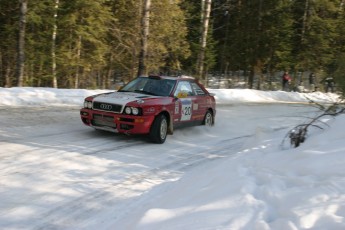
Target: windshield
{"x":150,"y":86}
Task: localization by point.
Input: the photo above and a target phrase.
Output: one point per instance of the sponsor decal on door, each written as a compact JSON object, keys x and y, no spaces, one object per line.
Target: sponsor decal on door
{"x":186,"y":111}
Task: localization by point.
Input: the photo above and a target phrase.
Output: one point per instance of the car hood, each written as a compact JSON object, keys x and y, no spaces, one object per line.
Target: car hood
{"x":122,"y":97}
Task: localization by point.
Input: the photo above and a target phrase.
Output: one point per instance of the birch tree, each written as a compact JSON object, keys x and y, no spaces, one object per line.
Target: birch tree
{"x":21,"y":43}
{"x":205,"y":18}
{"x":55,"y":84}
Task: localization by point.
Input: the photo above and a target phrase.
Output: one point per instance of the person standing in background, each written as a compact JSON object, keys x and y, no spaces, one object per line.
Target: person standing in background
{"x":329,"y":84}
{"x":312,"y":78}
{"x":286,"y":79}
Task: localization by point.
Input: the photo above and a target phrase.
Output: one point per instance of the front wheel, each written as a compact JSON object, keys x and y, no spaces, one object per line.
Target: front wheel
{"x":208,"y":120}
{"x":159,"y":129}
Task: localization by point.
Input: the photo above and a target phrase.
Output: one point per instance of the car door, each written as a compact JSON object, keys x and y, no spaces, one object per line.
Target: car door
{"x":186,"y":109}
{"x":201,"y":102}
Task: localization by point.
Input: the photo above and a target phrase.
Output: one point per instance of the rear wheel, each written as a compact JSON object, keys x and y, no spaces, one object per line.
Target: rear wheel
{"x":208,"y":120}
{"x":159,"y":129}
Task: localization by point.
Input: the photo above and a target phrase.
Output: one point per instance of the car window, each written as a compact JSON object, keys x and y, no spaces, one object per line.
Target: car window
{"x":151,"y":86}
{"x":136,"y":84}
{"x":197,"y":89}
{"x":159,"y":87}
{"x":185,"y":87}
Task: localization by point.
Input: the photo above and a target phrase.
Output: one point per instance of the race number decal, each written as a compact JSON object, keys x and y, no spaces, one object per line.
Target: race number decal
{"x":186,"y":110}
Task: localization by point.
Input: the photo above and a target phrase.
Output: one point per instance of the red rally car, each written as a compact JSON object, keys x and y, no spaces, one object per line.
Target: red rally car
{"x":153,"y":105}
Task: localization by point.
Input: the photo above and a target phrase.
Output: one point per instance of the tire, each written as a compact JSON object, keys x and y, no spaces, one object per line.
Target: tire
{"x":208,"y":119}
{"x":159,"y":129}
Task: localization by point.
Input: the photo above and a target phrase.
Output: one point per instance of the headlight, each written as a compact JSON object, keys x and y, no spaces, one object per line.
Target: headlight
{"x":135,"y":111}
{"x":88,"y":104}
{"x":132,"y":111}
{"x":128,"y":110}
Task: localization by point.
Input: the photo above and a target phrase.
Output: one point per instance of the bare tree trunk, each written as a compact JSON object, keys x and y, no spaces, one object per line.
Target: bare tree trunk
{"x":109,"y":73}
{"x":223,"y":62}
{"x":257,"y":64}
{"x":104,"y":79}
{"x":21,"y":43}
{"x":76,"y":80}
{"x":305,"y":17}
{"x":7,"y":77}
{"x":39,"y":80}
{"x":2,"y":77}
{"x":55,"y":85}
{"x":203,"y":42}
{"x":145,"y":23}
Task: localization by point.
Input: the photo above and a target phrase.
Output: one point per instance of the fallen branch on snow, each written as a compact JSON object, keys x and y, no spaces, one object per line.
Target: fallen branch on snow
{"x":298,"y":134}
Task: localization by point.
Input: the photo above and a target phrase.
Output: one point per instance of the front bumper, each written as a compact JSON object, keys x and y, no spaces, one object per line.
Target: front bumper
{"x":120,"y":123}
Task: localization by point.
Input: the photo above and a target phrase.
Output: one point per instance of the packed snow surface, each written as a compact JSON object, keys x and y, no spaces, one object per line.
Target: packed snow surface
{"x":56,"y":173}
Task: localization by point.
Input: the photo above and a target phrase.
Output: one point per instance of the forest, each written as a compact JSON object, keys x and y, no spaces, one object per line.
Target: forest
{"x":96,"y":43}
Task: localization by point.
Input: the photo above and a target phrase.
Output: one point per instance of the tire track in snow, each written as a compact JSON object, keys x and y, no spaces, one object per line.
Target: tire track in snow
{"x":110,"y":198}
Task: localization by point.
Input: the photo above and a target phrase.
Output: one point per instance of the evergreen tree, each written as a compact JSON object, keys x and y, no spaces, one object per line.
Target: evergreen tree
{"x":257,"y":36}
{"x":337,"y":67}
{"x":194,"y":20}
{"x":9,"y":26}
{"x":124,"y":38}
{"x":40,"y":24}
{"x":99,"y":41}
{"x":82,"y":46}
{"x":315,"y":33}
{"x":168,"y":46}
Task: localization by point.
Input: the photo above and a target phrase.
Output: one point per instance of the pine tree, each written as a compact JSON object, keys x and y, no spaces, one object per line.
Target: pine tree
{"x":337,"y":67}
{"x":82,"y":48}
{"x":9,"y":24}
{"x":315,"y":32}
{"x":168,"y":45}
{"x":259,"y":37}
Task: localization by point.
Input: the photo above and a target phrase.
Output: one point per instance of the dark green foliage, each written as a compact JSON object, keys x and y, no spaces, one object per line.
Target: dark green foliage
{"x":9,"y":26}
{"x":99,"y":41}
{"x":315,"y":33}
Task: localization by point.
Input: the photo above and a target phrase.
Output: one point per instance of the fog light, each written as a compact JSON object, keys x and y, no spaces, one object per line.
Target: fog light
{"x":139,"y":120}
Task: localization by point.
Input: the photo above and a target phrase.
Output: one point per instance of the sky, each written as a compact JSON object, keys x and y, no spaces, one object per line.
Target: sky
{"x":56,"y":173}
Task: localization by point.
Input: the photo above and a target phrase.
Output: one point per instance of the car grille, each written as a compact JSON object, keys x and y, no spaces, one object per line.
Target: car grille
{"x":101,"y":120}
{"x":107,"y":107}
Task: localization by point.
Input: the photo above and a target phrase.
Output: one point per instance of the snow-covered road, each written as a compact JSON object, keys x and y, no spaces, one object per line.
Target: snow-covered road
{"x":57,"y":173}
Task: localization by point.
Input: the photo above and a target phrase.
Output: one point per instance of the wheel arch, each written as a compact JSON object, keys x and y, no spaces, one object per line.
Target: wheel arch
{"x":212,"y":111}
{"x":169,"y":119}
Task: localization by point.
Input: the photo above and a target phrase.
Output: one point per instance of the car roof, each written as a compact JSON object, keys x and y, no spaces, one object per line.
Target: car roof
{"x":172,"y":77}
